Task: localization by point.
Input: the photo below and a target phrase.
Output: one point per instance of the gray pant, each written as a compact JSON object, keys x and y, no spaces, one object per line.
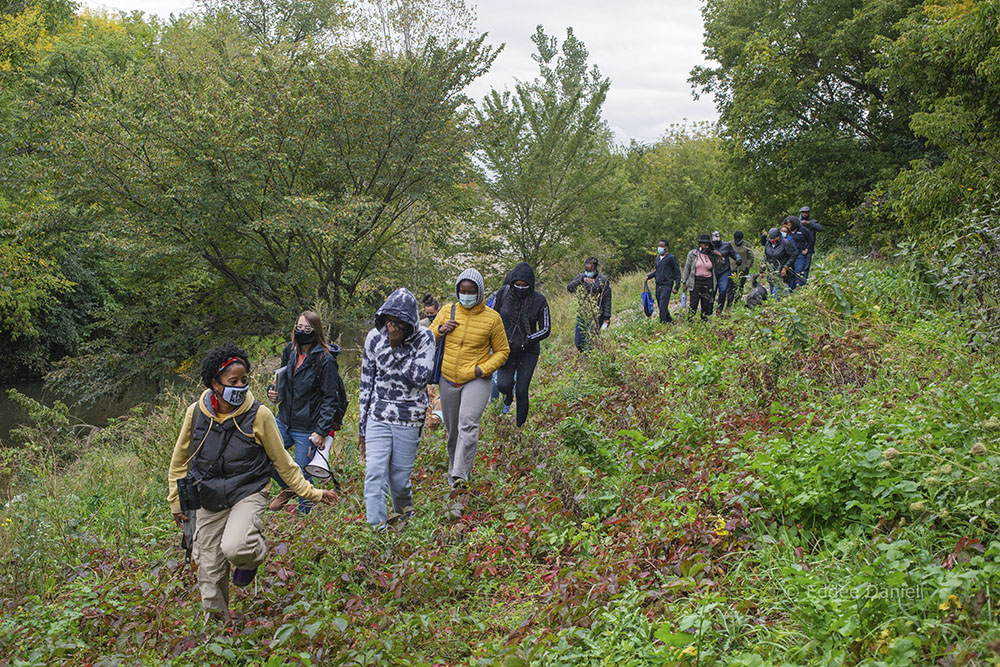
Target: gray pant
{"x":231,"y":536}
{"x":390,"y":452}
{"x":463,"y":408}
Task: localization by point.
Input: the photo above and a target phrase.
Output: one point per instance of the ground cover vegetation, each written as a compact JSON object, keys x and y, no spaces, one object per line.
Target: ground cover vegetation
{"x":811,"y":482}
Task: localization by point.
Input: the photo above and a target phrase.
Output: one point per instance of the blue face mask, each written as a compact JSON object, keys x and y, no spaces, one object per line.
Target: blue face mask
{"x":590,"y":274}
{"x":468,"y":300}
{"x":660,"y":250}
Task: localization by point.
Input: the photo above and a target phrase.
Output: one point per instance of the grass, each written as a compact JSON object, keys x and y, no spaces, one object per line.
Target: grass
{"x":809,"y":483}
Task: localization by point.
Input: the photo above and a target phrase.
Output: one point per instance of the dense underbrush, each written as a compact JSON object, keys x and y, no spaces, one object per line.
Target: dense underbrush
{"x":809,"y":483}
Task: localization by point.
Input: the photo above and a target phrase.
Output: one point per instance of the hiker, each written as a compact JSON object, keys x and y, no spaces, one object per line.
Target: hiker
{"x":802,"y":237}
{"x":700,"y":272}
{"x":475,"y":346}
{"x":805,"y":219}
{"x":396,"y":365}
{"x":525,"y":316}
{"x":746,"y":263}
{"x":494,"y":388}
{"x":310,"y":397}
{"x":779,"y":254}
{"x":431,"y":308}
{"x":226,"y":452}
{"x":725,"y":268}
{"x":668,"y":277}
{"x":594,"y":315}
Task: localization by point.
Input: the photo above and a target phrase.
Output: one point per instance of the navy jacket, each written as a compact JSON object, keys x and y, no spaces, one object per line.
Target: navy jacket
{"x":666,"y":271}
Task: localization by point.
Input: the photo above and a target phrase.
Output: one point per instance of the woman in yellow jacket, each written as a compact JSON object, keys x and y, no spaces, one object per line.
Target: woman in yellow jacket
{"x":220,"y":472}
{"x":475,"y":346}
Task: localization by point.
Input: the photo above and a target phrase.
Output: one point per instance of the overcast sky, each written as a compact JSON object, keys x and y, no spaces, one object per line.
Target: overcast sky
{"x":646,"y":47}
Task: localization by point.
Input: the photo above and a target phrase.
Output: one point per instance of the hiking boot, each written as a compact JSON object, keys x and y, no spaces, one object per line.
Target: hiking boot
{"x":242,"y":577}
{"x":281,"y":499}
{"x":408,"y":513}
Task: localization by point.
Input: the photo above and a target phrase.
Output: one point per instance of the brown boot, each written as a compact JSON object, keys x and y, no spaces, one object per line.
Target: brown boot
{"x":282,"y":498}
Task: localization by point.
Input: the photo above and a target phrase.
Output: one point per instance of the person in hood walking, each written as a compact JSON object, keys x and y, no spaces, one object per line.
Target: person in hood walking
{"x":475,"y":346}
{"x":668,"y":279}
{"x":525,"y":316}
{"x":396,"y":365}
{"x":805,"y":219}
{"x":309,"y":393}
{"x":701,"y":269}
{"x":228,"y":449}
{"x":802,"y":238}
{"x":594,"y":314}
{"x":745,"y":252}
{"x":779,"y":255}
{"x":724,"y":281}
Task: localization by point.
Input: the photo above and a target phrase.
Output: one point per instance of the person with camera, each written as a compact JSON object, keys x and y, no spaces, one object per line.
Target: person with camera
{"x":228,"y":448}
{"x":310,"y":395}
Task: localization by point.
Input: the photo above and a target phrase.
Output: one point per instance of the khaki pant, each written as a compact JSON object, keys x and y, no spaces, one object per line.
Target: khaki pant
{"x":231,"y":536}
{"x":463,"y":408}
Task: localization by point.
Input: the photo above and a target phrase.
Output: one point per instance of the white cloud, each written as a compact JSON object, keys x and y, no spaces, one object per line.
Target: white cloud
{"x":646,"y":47}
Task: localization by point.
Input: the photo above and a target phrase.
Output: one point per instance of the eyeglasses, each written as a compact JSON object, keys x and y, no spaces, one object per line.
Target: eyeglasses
{"x":303,"y":329}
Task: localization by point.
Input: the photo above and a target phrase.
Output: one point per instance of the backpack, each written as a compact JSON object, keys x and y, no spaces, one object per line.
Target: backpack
{"x":342,"y":401}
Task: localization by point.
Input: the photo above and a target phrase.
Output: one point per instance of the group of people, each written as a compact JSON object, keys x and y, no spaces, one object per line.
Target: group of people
{"x":716,"y":272}
{"x":231,"y":446}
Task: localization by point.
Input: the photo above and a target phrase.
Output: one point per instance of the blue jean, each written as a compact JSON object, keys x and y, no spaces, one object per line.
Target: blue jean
{"x":808,"y":265}
{"x":390,"y":452}
{"x":724,"y":284}
{"x":777,"y":287}
{"x":801,"y":269}
{"x":301,"y":442}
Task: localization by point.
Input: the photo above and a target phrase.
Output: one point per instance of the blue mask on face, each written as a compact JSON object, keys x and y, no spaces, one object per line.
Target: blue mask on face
{"x":660,"y":250}
{"x":590,"y":274}
{"x":468,"y":300}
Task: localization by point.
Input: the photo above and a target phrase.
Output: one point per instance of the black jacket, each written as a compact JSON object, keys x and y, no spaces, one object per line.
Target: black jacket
{"x":779,"y":255}
{"x":813,"y":227}
{"x":803,"y":238}
{"x":728,"y":253}
{"x":666,"y":271}
{"x":309,"y":395}
{"x":525,"y":319}
{"x":600,"y":289}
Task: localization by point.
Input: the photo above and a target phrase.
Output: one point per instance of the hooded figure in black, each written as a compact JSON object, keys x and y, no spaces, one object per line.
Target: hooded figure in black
{"x":525,"y":315}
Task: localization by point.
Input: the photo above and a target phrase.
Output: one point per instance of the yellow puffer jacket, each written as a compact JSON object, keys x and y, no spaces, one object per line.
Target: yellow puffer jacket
{"x":480,"y":329}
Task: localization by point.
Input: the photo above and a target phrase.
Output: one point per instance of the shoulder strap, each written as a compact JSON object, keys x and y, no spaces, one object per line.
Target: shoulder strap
{"x":453,"y":311}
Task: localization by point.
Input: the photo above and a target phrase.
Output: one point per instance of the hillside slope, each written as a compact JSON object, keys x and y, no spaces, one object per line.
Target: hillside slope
{"x":809,"y":483}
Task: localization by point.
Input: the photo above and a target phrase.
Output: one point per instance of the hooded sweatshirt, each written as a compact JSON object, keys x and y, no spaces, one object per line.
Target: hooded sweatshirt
{"x":265,"y":434}
{"x":394,"y":380}
{"x":525,"y":313}
{"x":479,"y":340}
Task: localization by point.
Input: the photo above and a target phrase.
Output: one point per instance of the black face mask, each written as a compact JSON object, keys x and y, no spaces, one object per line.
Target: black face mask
{"x":304,"y":338}
{"x":716,"y":244}
{"x":520,"y":292}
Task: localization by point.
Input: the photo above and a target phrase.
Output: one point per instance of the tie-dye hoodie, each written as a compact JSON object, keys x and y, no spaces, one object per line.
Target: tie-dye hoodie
{"x":394,"y":381}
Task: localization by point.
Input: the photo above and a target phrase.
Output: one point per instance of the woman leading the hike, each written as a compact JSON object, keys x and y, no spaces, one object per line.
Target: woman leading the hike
{"x":309,"y":396}
{"x":475,"y":345}
{"x":396,"y":364}
{"x":525,"y":315}
{"x":228,"y":449}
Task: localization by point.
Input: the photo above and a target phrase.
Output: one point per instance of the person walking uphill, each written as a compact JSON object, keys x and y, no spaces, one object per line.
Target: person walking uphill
{"x":593,"y":315}
{"x":475,"y":345}
{"x":701,"y":269}
{"x":725,"y":269}
{"x":396,"y":365}
{"x":310,"y":396}
{"x":745,"y":252}
{"x":779,"y":256}
{"x":525,"y":315}
{"x":668,"y":277}
{"x":227,"y":450}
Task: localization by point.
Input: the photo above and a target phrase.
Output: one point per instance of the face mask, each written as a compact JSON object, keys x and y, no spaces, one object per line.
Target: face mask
{"x":520,"y":291}
{"x":590,"y":274}
{"x":716,"y":244}
{"x":784,"y":235}
{"x":660,"y":251}
{"x":468,"y":300}
{"x":303,"y":338}
{"x":234,"y":395}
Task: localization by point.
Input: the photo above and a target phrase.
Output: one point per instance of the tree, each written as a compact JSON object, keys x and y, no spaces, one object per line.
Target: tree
{"x":798,"y":104}
{"x":544,"y":151}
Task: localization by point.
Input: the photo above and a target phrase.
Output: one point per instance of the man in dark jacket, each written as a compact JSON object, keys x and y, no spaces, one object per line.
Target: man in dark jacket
{"x":802,"y":238}
{"x":805,"y":219}
{"x":668,"y":277}
{"x":526,"y":319}
{"x":779,"y":254}
{"x":724,"y":278}
{"x":745,"y":252}
{"x":595,"y":313}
